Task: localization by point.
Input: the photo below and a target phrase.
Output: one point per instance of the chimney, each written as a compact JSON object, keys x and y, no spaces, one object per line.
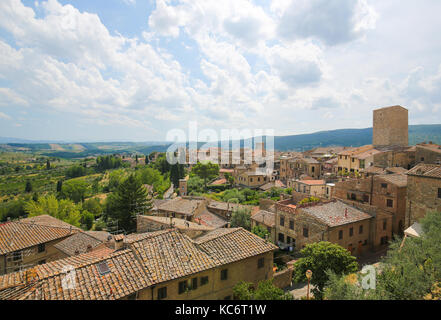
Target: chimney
{"x":119,"y":241}
{"x":89,"y":248}
{"x":346,"y":212}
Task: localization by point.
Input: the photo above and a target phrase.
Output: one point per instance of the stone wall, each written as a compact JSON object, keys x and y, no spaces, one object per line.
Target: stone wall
{"x":422,"y":197}
{"x":283,"y":279}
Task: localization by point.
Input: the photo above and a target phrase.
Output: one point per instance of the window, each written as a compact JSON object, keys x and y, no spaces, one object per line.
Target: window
{"x":260,"y":263}
{"x":439,"y":193}
{"x":365,"y":198}
{"x":162,"y":293}
{"x":305,"y":232}
{"x":41,"y":247}
{"x":291,"y":224}
{"x":183,"y":287}
{"x":384,"y":185}
{"x":204,"y":280}
{"x":313,"y":168}
{"x":194,"y":283}
{"x":281,"y":237}
{"x":224,"y":274}
{"x":422,"y":159}
{"x":353,"y":196}
{"x":390,"y":203}
{"x":351,"y":232}
{"x":282,"y":221}
{"x":16,"y":256}
{"x":353,"y":159}
{"x":288,"y":239}
{"x":360,"y":230}
{"x":384,"y":224}
{"x":340,"y":235}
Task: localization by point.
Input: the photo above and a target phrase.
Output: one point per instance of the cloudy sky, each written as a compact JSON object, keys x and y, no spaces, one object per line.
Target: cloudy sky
{"x":133,"y":69}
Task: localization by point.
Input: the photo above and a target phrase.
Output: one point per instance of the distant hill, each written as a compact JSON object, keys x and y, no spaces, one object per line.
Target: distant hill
{"x":300,"y":142}
{"x":352,"y":137}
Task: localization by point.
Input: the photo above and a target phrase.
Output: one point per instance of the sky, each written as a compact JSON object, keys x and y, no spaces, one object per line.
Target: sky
{"x":132,"y":70}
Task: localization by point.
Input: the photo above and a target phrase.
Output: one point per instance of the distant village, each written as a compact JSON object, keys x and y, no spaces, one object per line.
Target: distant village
{"x":185,"y":247}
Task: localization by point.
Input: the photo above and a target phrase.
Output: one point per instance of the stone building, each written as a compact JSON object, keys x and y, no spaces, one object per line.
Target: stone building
{"x":31,"y":241}
{"x":390,"y":127}
{"x":153,"y":266}
{"x":334,"y":221}
{"x":316,"y":188}
{"x":429,"y":153}
{"x":423,"y":192}
{"x":386,"y":192}
{"x":296,"y":168}
{"x":266,"y":219}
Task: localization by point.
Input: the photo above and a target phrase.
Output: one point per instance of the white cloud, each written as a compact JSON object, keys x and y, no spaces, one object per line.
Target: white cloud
{"x":4,"y":116}
{"x":331,"y":21}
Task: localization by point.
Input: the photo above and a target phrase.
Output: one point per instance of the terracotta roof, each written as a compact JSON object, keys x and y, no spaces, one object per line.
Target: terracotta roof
{"x":210,"y":219}
{"x":167,"y":255}
{"x":375,"y":170}
{"x":219,"y":181}
{"x":430,"y":146}
{"x":103,"y":236}
{"x":234,"y":245}
{"x":226,"y":206}
{"x":181,"y":206}
{"x":16,"y":235}
{"x":313,"y":182}
{"x":355,"y":151}
{"x":80,"y":242}
{"x":399,"y":170}
{"x":399,"y":180}
{"x":154,"y":258}
{"x":47,"y":220}
{"x":426,"y":170}
{"x":177,"y":223}
{"x":265,"y":217}
{"x":336,"y":213}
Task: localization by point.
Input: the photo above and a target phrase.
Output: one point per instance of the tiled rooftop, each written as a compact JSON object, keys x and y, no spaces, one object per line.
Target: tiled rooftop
{"x":180,"y":205}
{"x":78,"y":243}
{"x":426,"y":170}
{"x":265,"y":217}
{"x":234,"y":245}
{"x":399,"y":180}
{"x":313,"y":182}
{"x":150,"y":259}
{"x":16,"y":235}
{"x":336,"y":213}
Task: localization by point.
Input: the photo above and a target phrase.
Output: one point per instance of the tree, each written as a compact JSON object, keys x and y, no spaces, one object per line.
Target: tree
{"x":260,"y":231}
{"x":136,"y":159}
{"x":206,"y":170}
{"x":59,"y":185}
{"x":75,"y":190}
{"x":177,"y":172}
{"x":129,"y":199}
{"x":87,"y":220}
{"x":48,"y":164}
{"x":229,"y":178}
{"x":28,"y":187}
{"x":265,"y":291}
{"x":64,"y":210}
{"x":35,"y":196}
{"x":319,"y":257}
{"x":75,"y":171}
{"x":93,"y":206}
{"x":146,"y":160}
{"x":241,"y":218}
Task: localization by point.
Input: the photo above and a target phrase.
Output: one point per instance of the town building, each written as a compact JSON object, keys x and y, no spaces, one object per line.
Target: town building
{"x":316,"y":188}
{"x":31,"y":241}
{"x":423,"y":192}
{"x":429,"y":153}
{"x":267,"y":220}
{"x":386,"y":192}
{"x":154,"y":266}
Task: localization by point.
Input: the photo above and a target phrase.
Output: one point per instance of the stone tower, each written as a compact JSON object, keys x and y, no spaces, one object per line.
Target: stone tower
{"x":182,"y":187}
{"x":391,"y":127}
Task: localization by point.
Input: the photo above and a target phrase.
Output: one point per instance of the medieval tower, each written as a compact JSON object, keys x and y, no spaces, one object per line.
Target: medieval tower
{"x":391,"y":127}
